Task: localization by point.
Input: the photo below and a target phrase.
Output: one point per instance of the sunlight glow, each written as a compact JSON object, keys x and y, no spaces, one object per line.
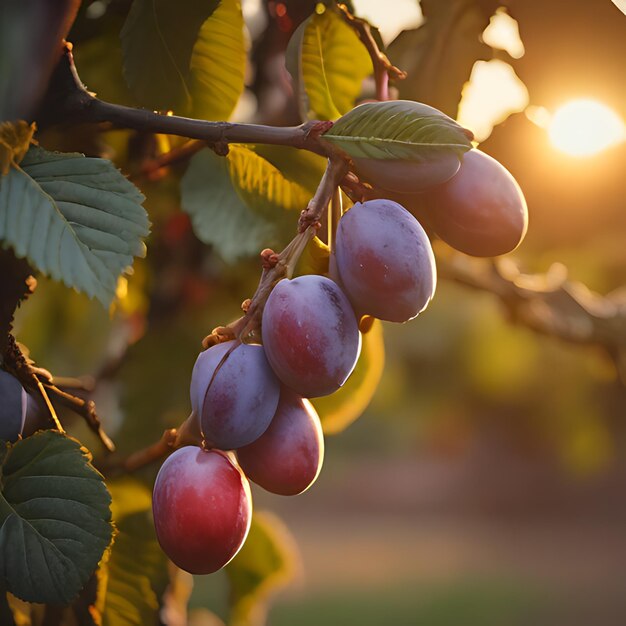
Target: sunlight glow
{"x":493,"y":92}
{"x":390,"y":20}
{"x":503,"y":34}
{"x":585,"y":127}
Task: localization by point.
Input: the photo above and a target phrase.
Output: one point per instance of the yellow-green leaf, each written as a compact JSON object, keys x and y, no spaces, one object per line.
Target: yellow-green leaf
{"x":328,"y":64}
{"x":262,"y":186}
{"x":15,"y":139}
{"x":218,"y":63}
{"x":157,"y":42}
{"x":340,"y":409}
{"x":136,"y":573}
{"x":264,"y":564}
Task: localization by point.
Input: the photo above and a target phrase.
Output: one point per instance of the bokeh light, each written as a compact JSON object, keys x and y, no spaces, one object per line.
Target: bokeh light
{"x":585,"y":127}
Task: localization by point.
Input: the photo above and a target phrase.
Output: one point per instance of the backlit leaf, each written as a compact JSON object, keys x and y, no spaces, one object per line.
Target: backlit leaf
{"x":218,"y":63}
{"x":328,"y":64}
{"x":157,"y":41}
{"x":218,"y":214}
{"x":439,"y":55}
{"x":264,"y":564}
{"x":135,"y":573}
{"x":400,"y":129}
{"x":340,"y":409}
{"x":239,"y":203}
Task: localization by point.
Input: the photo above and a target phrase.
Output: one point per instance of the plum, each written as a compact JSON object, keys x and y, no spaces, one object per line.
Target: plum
{"x":286,"y":459}
{"x":202,"y":509}
{"x":310,"y":335}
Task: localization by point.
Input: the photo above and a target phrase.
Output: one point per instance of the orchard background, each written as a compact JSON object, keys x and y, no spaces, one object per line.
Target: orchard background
{"x":482,"y":480}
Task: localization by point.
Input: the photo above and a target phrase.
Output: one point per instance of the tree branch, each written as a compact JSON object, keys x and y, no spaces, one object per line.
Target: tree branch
{"x":68,"y":101}
{"x":549,"y":303}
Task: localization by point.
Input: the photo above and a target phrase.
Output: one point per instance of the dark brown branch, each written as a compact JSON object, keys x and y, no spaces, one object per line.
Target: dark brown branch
{"x":68,"y":101}
{"x":16,"y":284}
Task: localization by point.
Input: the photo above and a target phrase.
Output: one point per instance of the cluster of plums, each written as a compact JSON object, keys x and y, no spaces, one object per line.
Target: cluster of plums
{"x":13,"y":404}
{"x":250,"y":399}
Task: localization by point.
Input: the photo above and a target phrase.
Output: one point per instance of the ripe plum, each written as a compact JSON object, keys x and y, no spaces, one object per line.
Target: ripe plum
{"x":286,"y":459}
{"x":310,"y":335}
{"x":236,"y":402}
{"x":202,"y":509}
{"x":384,"y":261}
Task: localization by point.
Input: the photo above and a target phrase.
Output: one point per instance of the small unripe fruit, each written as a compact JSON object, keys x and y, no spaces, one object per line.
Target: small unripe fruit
{"x":202,"y":509}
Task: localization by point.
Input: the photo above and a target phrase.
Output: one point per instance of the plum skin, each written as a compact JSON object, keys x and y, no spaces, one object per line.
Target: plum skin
{"x":202,"y":509}
{"x":480,"y":211}
{"x":288,"y":456}
{"x":236,"y":406}
{"x":407,"y":176}
{"x":384,"y":261}
{"x":310,"y":335}
{"x":13,"y":403}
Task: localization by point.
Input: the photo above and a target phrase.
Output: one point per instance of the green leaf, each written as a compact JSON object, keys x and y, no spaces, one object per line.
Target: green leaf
{"x":55,"y":520}
{"x":157,"y":43}
{"x":218,"y":63}
{"x":219,"y":216}
{"x":76,"y":219}
{"x":439,"y":55}
{"x":400,"y":129}
{"x":239,"y":203}
{"x":135,"y":574}
{"x":328,"y":64}
{"x":263,"y":565}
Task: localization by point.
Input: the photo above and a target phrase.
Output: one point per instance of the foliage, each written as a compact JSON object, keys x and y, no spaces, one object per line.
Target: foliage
{"x":79,"y":220}
{"x":327,"y":64}
{"x":55,"y":518}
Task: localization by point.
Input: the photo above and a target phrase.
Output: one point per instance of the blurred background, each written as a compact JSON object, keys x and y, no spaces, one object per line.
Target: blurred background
{"x":484,"y":483}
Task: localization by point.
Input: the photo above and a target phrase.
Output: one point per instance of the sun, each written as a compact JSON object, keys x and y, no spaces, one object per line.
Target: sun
{"x":585,"y":127}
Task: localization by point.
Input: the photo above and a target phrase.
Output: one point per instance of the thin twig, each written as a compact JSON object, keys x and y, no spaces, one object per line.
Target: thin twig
{"x":176,"y":155}
{"x":53,"y":413}
{"x":383,"y":68}
{"x":85,"y":408}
